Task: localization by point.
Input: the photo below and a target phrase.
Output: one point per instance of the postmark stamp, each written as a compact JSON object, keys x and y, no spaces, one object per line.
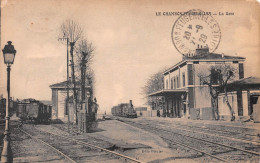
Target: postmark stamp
{"x":195,"y":28}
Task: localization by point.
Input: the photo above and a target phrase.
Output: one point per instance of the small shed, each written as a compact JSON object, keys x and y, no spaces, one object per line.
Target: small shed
{"x":244,"y":95}
{"x":59,"y":95}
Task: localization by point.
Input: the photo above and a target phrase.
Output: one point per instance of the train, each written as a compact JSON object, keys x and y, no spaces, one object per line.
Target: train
{"x":34,"y":111}
{"x":2,"y":108}
{"x":12,"y":107}
{"x":124,"y":110}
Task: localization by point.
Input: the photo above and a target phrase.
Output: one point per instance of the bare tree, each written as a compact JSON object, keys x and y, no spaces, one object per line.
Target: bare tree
{"x":90,"y":76}
{"x":217,"y":79}
{"x":71,"y":30}
{"x":84,"y":59}
{"x":153,"y":84}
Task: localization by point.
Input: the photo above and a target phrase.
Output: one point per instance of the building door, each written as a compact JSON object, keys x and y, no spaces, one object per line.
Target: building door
{"x":239,"y":103}
{"x":184,"y":109}
{"x":178,"y":107}
{"x":61,"y":104}
{"x":172,"y":105}
{"x":167,"y":107}
{"x":253,"y":102}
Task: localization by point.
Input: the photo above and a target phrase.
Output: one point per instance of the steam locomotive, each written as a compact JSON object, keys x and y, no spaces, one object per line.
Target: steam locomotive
{"x":124,"y":110}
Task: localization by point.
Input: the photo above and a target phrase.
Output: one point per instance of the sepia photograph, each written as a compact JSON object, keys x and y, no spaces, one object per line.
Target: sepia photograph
{"x":145,"y":81}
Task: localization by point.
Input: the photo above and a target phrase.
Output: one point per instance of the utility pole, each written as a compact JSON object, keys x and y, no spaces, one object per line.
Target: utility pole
{"x":75,"y":101}
{"x":67,"y":86}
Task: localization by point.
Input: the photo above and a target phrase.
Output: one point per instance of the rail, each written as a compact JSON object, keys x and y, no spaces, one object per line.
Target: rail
{"x":53,"y":148}
{"x":97,"y":147}
{"x":78,"y":141}
{"x":203,"y":140}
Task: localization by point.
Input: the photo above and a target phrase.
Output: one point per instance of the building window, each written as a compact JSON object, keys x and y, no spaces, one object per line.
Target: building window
{"x":166,"y":84}
{"x":183,"y":79}
{"x":214,"y":76}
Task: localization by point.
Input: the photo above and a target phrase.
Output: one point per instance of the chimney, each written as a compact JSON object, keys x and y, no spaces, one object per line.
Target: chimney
{"x":202,"y":50}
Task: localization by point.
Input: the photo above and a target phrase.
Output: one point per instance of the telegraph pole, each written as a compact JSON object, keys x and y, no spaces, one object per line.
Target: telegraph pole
{"x":67,"y":86}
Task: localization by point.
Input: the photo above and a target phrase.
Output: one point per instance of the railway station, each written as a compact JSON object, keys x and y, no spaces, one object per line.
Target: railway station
{"x":129,"y":81}
{"x":184,"y":94}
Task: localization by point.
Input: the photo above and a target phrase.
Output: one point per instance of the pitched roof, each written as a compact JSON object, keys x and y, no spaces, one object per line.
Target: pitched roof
{"x":64,"y":85}
{"x":244,"y":84}
{"x":209,"y":56}
{"x":168,"y":92}
{"x":250,"y":80}
{"x":205,"y":56}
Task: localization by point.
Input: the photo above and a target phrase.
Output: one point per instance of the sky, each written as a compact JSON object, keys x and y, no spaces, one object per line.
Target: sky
{"x":131,"y":42}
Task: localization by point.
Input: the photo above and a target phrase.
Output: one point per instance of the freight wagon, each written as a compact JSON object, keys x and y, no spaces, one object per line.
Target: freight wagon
{"x":33,"y":110}
{"x":3,"y":105}
{"x":2,"y":108}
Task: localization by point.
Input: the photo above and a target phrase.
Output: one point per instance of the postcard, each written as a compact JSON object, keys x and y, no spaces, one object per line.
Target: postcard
{"x":130,"y":81}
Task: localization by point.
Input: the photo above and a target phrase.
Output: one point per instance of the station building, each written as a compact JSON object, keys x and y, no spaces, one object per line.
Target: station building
{"x":59,"y":96}
{"x":186,"y":96}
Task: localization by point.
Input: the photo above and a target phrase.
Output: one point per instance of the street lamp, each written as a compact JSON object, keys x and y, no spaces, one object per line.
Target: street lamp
{"x":9,"y":55}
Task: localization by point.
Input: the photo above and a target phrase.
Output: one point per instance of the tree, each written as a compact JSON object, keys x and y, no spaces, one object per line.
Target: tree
{"x":153,"y":84}
{"x":84,"y":53}
{"x":217,"y":79}
{"x":71,"y":30}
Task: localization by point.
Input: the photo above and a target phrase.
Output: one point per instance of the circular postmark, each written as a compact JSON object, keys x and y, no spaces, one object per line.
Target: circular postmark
{"x":195,"y":29}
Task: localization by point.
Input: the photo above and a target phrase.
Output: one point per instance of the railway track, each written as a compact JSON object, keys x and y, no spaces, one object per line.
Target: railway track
{"x":231,"y":136}
{"x":226,"y":125}
{"x":75,"y":150}
{"x":221,"y":132}
{"x":219,"y":151}
{"x":224,"y":128}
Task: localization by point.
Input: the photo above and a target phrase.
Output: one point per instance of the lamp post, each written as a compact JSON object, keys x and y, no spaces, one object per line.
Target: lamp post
{"x":9,"y":55}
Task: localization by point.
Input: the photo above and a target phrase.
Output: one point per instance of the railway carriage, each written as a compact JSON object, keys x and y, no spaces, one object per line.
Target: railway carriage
{"x":33,"y":110}
{"x":3,"y":105}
